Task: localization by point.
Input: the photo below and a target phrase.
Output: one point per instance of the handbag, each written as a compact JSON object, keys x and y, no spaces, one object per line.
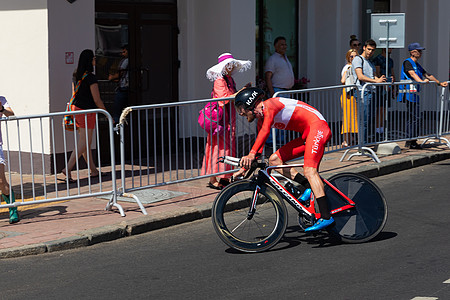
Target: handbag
{"x":68,"y":121}
{"x":210,"y":117}
{"x":349,"y":80}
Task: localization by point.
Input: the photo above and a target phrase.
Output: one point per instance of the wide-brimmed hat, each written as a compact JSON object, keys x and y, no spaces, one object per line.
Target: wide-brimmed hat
{"x":226,"y":59}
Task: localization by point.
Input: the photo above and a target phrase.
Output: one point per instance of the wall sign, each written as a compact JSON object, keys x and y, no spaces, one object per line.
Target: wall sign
{"x":69,"y":58}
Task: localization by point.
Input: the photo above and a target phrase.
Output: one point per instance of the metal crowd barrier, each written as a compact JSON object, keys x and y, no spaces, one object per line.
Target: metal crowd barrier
{"x":27,"y":144}
{"x":387,"y":117}
{"x":163,"y":143}
{"x":338,"y":110}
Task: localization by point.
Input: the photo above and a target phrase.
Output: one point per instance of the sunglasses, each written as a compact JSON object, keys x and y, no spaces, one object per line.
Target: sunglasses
{"x":355,"y":45}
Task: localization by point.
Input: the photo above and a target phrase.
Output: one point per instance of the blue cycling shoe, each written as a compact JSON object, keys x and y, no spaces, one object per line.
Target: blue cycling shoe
{"x":320,"y":224}
{"x":305,"y":196}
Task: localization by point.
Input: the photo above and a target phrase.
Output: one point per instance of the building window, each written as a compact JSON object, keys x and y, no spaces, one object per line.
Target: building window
{"x":276,"y":18}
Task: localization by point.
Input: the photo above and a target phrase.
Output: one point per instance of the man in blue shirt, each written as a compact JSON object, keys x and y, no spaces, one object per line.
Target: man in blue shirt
{"x":412,"y":70}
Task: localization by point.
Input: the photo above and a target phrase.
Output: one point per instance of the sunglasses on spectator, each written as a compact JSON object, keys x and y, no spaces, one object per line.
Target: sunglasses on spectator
{"x":359,"y":44}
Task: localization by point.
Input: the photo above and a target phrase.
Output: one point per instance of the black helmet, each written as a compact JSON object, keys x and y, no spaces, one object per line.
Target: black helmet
{"x":247,"y":98}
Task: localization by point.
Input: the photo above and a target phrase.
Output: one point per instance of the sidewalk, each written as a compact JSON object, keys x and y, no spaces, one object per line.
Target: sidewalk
{"x":83,"y":222}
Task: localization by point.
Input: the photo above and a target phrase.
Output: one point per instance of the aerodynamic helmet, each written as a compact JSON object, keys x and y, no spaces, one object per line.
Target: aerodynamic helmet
{"x":247,"y":98}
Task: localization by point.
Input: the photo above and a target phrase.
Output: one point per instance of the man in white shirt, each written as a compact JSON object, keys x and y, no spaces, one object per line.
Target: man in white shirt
{"x":278,"y":70}
{"x":279,"y":75}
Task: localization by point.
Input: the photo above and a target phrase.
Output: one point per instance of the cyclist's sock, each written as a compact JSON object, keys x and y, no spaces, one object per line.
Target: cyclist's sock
{"x":302,"y":180}
{"x":323,"y":207}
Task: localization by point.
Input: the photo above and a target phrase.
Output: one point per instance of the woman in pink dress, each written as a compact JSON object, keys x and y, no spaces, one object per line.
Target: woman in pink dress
{"x":223,"y":143}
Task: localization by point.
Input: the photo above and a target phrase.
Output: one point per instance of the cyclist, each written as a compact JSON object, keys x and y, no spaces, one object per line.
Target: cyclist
{"x":289,"y":114}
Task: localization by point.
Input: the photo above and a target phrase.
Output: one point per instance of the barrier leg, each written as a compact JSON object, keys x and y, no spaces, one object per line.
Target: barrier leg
{"x":113,"y":202}
{"x":143,"y":210}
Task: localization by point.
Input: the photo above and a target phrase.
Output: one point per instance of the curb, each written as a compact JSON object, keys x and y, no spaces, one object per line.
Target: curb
{"x":149,"y":223}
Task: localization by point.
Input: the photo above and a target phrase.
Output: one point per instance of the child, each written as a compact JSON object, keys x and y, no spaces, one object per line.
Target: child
{"x":5,"y":110}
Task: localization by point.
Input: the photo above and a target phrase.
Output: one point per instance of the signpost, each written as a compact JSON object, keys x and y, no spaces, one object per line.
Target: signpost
{"x":389,"y":30}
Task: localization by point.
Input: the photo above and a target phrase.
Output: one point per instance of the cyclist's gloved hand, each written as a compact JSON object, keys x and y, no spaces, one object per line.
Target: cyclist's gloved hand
{"x":246,"y":161}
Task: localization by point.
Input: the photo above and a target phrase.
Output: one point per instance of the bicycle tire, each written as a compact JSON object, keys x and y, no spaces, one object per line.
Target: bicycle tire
{"x":367,"y":219}
{"x":230,"y":211}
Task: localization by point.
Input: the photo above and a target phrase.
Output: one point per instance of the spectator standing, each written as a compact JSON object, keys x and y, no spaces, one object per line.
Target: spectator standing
{"x":223,"y":144}
{"x":355,"y":43}
{"x":278,"y":70}
{"x":348,"y":102}
{"x":380,"y":69}
{"x":87,"y":96}
{"x":279,"y":75}
{"x":7,"y":192}
{"x":121,"y":98}
{"x":412,"y":70}
{"x":364,"y":72}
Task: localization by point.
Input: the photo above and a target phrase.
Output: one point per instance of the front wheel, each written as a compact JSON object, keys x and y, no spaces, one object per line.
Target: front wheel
{"x":364,"y":221}
{"x":257,"y":233}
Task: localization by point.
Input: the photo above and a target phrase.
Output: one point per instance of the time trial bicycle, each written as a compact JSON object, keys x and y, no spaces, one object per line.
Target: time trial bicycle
{"x":249,"y":215}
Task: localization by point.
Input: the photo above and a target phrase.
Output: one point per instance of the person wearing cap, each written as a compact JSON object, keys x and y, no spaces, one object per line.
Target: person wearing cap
{"x":412,"y":70}
{"x":222,"y":144}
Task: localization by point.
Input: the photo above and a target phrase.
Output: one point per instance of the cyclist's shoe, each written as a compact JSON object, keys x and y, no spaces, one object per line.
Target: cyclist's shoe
{"x":320,"y":224}
{"x":305,"y":196}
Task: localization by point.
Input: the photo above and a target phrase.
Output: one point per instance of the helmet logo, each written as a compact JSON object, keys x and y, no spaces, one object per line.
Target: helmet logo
{"x":251,"y":98}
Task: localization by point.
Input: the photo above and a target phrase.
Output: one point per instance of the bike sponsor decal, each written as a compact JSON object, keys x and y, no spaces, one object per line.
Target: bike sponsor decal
{"x":317,"y":139}
{"x":251,"y":98}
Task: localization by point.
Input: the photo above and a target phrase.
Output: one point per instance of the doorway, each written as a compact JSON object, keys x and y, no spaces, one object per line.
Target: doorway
{"x":151,"y":32}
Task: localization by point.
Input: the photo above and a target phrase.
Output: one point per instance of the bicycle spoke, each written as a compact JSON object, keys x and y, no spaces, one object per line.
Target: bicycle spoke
{"x":254,"y":233}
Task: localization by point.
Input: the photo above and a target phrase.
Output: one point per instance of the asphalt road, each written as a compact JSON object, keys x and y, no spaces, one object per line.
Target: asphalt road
{"x":410,"y":258}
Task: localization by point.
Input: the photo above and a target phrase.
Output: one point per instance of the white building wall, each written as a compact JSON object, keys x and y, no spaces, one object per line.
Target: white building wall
{"x":24,"y":61}
{"x":35,"y":34}
{"x":209,"y":28}
{"x":325,"y":30}
{"x":71,"y":28}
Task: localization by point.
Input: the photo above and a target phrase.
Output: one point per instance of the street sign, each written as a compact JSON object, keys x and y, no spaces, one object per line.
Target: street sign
{"x":388,"y":30}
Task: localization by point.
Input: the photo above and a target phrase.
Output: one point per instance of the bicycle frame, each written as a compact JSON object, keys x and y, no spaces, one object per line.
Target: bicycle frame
{"x":265,"y":176}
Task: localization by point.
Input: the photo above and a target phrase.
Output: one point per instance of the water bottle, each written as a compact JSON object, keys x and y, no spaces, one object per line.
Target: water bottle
{"x":303,"y":197}
{"x":293,"y":190}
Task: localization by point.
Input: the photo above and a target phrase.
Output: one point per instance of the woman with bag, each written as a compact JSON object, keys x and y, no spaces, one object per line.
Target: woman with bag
{"x":222,"y":142}
{"x":86,"y":95}
{"x":348,"y":102}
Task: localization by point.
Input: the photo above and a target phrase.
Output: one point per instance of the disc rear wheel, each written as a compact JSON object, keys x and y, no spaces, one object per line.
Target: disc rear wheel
{"x":364,"y":221}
